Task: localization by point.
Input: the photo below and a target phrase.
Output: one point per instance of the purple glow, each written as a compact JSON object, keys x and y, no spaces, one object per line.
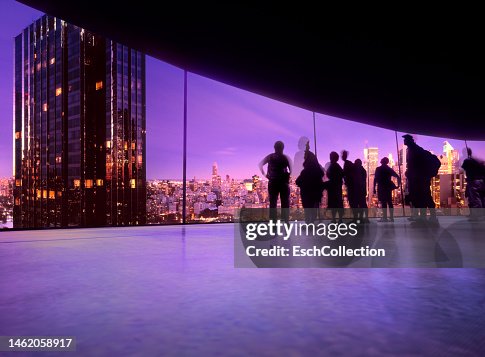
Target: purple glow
{"x":227,"y":125}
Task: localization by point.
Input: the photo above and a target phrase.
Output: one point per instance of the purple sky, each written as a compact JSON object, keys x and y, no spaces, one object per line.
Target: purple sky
{"x":233,"y":127}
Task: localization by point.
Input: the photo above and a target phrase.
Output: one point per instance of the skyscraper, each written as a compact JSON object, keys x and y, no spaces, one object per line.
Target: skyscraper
{"x":216,"y":178}
{"x":79,"y":128}
{"x":371,"y":160}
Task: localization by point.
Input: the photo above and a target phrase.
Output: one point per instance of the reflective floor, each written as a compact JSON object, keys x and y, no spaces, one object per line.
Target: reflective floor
{"x":174,"y":291}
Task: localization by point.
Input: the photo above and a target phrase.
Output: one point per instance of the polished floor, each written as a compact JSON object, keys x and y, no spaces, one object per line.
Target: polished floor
{"x":152,"y":291}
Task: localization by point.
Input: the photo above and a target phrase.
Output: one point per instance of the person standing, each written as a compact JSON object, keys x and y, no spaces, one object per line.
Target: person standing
{"x":475,"y":185}
{"x":349,"y":177}
{"x":278,"y":174}
{"x":299,"y":157}
{"x":310,"y":183}
{"x":419,"y":173}
{"x":334,"y":187}
{"x":383,"y":180}
{"x":360,"y":184}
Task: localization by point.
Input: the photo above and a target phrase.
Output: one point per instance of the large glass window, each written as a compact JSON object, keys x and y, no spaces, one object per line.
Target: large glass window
{"x":63,"y":91}
{"x":229,"y":132}
{"x":164,"y":142}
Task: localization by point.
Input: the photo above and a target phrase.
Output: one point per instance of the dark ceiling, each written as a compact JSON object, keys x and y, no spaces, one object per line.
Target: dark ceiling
{"x":419,"y":74}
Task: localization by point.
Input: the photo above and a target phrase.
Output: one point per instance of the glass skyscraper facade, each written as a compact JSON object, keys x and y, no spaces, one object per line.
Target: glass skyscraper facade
{"x":79,"y":129}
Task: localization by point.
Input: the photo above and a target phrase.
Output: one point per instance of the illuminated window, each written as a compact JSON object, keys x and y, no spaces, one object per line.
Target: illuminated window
{"x":133,"y":183}
{"x":52,"y":61}
{"x":18,"y":135}
{"x":35,"y":55}
{"x":77,"y":183}
{"x":125,"y":146}
{"x":140,"y":159}
{"x":18,"y":182}
{"x":108,"y":144}
{"x":133,"y":146}
{"x":59,"y":193}
{"x":44,"y":193}
{"x":17,"y":201}
{"x":99,"y":182}
{"x":37,"y":193}
{"x":52,"y":195}
{"x":58,"y":159}
{"x":89,"y":183}
{"x":38,"y":66}
{"x":99,"y":85}
{"x":44,"y":107}
{"x":58,"y":91}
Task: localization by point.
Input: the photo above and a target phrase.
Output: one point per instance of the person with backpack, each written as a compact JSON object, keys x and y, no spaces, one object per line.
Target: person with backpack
{"x":310,"y":183}
{"x":475,"y":185}
{"x":279,"y":170}
{"x":422,"y":166}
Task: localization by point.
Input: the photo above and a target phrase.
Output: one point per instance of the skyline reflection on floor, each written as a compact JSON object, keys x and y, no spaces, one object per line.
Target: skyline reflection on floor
{"x":174,"y":290}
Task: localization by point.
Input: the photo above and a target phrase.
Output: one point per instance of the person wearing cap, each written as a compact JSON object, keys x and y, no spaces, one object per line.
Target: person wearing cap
{"x":279,"y":170}
{"x":419,"y":185}
{"x":383,"y":180}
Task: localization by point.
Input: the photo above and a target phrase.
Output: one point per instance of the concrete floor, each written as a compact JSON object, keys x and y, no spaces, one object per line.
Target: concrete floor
{"x":150,"y":291}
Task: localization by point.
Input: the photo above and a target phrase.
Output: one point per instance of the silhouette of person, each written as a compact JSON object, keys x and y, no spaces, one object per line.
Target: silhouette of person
{"x":383,"y":180}
{"x":279,"y":170}
{"x":334,"y":187}
{"x":300,"y":156}
{"x":463,"y":157}
{"x":407,"y":199}
{"x":310,"y":183}
{"x":349,"y":177}
{"x":475,"y":185}
{"x":418,"y":182}
{"x":360,"y":191}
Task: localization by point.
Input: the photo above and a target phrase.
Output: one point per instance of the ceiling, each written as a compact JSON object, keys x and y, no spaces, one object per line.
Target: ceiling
{"x":419,"y":74}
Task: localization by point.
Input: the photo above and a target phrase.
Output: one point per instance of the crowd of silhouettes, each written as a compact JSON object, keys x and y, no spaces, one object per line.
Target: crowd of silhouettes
{"x":422,"y":166}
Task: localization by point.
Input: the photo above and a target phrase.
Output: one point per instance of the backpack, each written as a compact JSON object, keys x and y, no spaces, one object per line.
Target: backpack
{"x":433,"y":164}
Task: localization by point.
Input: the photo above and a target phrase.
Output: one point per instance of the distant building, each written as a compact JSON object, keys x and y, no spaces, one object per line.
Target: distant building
{"x":448,"y":190}
{"x":216,"y":178}
{"x":371,"y":162}
{"x":79,"y":128}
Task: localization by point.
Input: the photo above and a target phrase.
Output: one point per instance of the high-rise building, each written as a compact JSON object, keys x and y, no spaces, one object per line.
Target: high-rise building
{"x":79,"y":128}
{"x":371,"y":161}
{"x":216,"y":178}
{"x":452,"y":157}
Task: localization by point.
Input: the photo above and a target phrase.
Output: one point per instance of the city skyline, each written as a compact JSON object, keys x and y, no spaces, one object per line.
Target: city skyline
{"x":234,"y":127}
